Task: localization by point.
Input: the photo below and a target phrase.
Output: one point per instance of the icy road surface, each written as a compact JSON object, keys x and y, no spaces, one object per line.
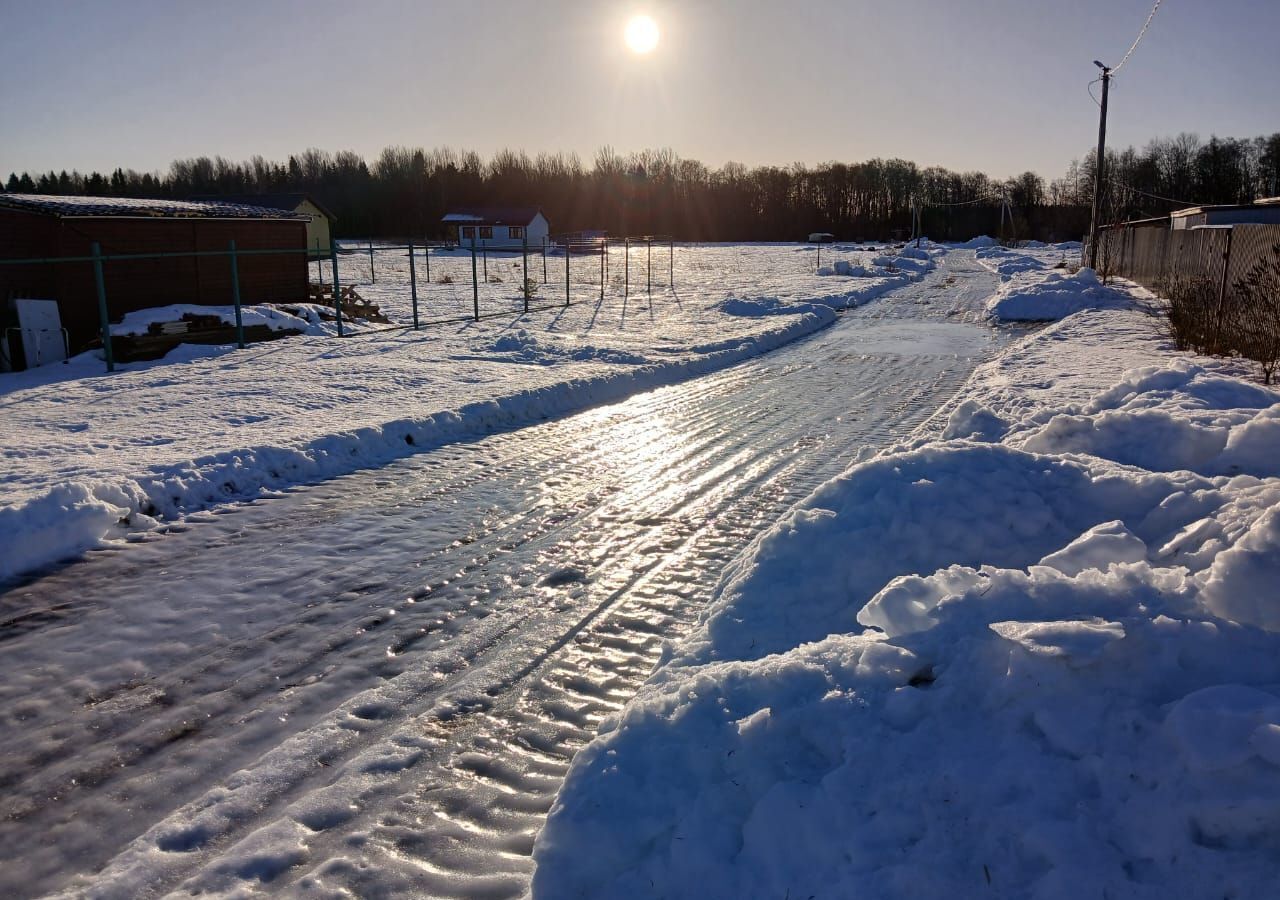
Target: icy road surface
{"x":376,"y":684}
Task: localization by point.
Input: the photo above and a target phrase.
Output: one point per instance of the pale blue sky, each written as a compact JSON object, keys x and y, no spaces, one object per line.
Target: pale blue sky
{"x":994,"y":85}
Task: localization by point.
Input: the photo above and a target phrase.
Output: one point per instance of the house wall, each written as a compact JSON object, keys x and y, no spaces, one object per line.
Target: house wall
{"x":141,"y":284}
{"x":539,"y":229}
{"x":317,"y":228}
{"x":536,"y":231}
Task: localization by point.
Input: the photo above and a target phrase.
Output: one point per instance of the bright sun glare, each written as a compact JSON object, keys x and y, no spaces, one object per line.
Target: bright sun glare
{"x":641,"y":34}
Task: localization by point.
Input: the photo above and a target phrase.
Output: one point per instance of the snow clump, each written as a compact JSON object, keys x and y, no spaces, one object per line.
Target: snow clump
{"x":1038,"y":658}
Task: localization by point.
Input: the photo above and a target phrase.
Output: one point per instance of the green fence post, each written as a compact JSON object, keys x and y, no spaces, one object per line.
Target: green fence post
{"x":235,"y":293}
{"x":626,"y":268}
{"x":373,"y":276}
{"x":602,"y":270}
{"x":671,"y":264}
{"x":103,"y":319}
{"x":524,"y":269}
{"x":413,"y":284}
{"x":426,"y":255}
{"x":475,"y":284}
{"x":484,"y":254}
{"x":566,"y":272}
{"x":648,"y":267}
{"x":337,"y":291}
{"x":544,"y":259}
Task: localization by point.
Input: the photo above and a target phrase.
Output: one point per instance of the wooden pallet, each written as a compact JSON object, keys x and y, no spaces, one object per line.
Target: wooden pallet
{"x":353,"y":305}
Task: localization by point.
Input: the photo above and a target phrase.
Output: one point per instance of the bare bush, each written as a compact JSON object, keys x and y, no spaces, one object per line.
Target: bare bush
{"x":1193,"y":304}
{"x":1255,"y":324}
{"x":1106,"y":255}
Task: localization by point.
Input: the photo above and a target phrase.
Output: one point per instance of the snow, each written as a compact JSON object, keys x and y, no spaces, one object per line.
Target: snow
{"x":977,"y":243}
{"x":1007,"y":263}
{"x":1033,"y":296}
{"x":373,"y":686}
{"x":1032,"y":650}
{"x":91,"y":459}
{"x":275,"y":318}
{"x":1038,"y":657}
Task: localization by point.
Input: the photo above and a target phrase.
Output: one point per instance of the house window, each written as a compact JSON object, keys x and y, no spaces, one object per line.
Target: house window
{"x":516,"y":231}
{"x":486,"y":232}
{"x":468,"y":232}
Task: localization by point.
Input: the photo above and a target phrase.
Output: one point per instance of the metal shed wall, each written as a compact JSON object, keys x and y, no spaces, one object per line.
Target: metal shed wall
{"x":141,"y":284}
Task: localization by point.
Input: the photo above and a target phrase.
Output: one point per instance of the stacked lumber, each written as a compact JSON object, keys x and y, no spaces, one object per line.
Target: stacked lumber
{"x":353,"y":305}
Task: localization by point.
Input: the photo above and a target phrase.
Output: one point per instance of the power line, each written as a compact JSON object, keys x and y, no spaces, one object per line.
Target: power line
{"x":1089,"y":87}
{"x":1134,"y":190}
{"x":987,"y":199}
{"x":1134,"y":45}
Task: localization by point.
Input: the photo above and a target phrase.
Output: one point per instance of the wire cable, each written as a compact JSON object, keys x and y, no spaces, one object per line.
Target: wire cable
{"x":1141,"y":34}
{"x":1089,"y":87}
{"x":987,"y":199}
{"x":1158,"y":196}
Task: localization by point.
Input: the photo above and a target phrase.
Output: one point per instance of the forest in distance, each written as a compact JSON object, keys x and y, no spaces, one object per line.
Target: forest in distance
{"x":405,"y":191}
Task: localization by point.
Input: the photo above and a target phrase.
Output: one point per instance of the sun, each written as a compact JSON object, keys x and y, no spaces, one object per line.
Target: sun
{"x":641,"y":34}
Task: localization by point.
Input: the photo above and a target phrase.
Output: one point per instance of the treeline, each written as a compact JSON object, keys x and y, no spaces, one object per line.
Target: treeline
{"x":1171,"y":173}
{"x":406,"y":191}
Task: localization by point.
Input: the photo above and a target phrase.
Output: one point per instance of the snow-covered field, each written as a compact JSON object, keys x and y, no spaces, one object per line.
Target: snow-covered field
{"x":1037,"y":657}
{"x":90,"y":457}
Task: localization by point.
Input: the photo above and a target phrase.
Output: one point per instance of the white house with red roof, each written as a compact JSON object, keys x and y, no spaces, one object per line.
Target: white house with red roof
{"x":499,"y":228}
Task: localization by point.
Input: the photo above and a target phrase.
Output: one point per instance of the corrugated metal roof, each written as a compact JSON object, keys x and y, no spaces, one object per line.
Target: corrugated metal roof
{"x":493,"y":215}
{"x":283,"y":200}
{"x":1265,"y":202}
{"x":102,"y":207}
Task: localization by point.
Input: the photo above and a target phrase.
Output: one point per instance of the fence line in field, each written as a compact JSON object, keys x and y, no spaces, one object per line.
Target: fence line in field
{"x":478,"y":258}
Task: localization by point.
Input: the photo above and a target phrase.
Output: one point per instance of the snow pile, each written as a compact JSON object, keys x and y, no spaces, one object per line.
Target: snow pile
{"x":275,"y":318}
{"x":1036,"y":296}
{"x":1177,"y":417}
{"x":846,"y":268}
{"x":907,"y":264}
{"x":1043,"y":663}
{"x":1007,"y":263}
{"x":977,"y":243}
{"x":524,"y":347}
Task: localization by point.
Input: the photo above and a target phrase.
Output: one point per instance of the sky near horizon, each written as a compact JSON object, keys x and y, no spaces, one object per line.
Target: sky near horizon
{"x":992,"y":85}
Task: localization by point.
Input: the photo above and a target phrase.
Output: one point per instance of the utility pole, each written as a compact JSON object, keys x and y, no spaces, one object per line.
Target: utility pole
{"x":1099,"y":168}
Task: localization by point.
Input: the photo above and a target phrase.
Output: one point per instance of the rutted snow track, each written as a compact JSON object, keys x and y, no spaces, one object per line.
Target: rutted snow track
{"x":376,"y":684}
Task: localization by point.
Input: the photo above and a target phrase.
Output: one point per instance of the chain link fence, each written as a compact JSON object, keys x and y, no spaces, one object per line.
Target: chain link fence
{"x":1222,"y":283}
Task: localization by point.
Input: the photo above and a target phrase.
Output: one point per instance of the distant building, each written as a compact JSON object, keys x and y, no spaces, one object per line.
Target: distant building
{"x":821,"y":237}
{"x":499,"y":228}
{"x":49,"y":227}
{"x":319,"y":219}
{"x":1260,"y":212}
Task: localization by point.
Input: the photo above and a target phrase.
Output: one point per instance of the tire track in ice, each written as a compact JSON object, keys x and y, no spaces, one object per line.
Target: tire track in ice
{"x":499,"y":695}
{"x":471,"y":834}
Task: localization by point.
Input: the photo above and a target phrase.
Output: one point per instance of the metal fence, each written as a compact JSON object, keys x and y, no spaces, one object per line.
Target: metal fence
{"x":570,"y":260}
{"x":1203,"y":273}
